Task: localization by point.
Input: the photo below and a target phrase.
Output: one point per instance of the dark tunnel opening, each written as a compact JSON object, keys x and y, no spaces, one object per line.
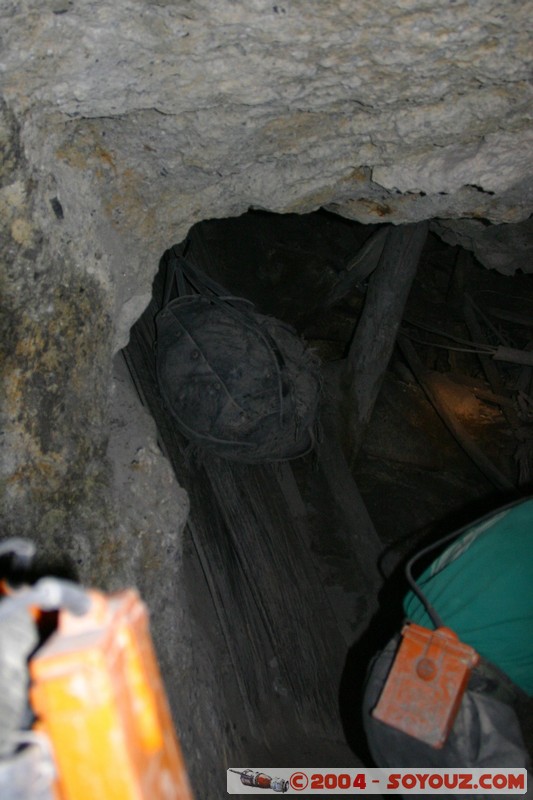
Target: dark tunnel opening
{"x":297,"y":566}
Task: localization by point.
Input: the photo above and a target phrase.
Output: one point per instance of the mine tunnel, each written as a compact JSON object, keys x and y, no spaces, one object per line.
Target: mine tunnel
{"x":346,"y":191}
{"x":294,"y":564}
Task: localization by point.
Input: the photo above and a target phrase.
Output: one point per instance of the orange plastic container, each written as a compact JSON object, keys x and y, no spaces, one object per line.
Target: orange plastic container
{"x":98,"y":695}
{"x":426,"y":684}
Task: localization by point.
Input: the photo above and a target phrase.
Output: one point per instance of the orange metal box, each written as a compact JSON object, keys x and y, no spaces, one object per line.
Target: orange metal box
{"x":98,"y":695}
{"x":426,"y":683}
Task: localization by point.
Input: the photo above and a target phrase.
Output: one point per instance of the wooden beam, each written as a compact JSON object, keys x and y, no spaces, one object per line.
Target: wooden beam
{"x":358,"y":268}
{"x":376,"y":332}
{"x":432,"y":384}
{"x":513,"y":356}
{"x":476,"y":332}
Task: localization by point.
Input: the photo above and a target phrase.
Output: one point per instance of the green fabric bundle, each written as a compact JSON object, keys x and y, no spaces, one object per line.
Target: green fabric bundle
{"x":482,"y":588}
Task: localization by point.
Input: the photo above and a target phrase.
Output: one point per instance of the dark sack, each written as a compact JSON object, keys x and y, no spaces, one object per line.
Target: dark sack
{"x":237,"y":382}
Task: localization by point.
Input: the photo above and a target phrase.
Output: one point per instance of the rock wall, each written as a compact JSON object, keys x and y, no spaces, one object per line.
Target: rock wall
{"x":124,"y":122}
{"x":144,"y":117}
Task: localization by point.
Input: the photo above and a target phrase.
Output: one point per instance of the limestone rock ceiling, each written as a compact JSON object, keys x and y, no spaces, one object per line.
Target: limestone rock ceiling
{"x":380,"y":111}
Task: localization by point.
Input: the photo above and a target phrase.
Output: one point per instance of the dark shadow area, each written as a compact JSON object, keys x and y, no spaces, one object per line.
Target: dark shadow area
{"x":389,"y":618}
{"x":382,"y":627}
{"x":39,"y":567}
{"x":297,"y":566}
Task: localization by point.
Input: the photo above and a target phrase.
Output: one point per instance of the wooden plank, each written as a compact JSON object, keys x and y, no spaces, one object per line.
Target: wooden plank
{"x":431,"y":383}
{"x":476,"y":332}
{"x":456,"y":286}
{"x":358,"y":268}
{"x":346,"y":496}
{"x":352,"y":571}
{"x":511,"y":316}
{"x":295,"y":613}
{"x":498,"y":334}
{"x":502,"y":353}
{"x":376,"y":332}
{"x":481,"y":391}
{"x":513,"y":356}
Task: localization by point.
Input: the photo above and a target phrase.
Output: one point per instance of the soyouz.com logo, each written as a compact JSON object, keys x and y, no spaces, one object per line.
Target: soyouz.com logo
{"x":350,"y":781}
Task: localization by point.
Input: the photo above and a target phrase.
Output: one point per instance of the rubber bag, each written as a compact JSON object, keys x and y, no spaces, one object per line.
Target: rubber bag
{"x":237,"y":382}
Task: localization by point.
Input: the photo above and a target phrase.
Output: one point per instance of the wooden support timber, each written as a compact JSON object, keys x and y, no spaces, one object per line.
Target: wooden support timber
{"x":359,"y":268}
{"x":432,"y":384}
{"x":376,"y":332}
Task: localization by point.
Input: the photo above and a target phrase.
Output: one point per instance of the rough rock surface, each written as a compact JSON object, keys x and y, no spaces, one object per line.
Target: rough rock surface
{"x":55,"y":324}
{"x":124,"y":122}
{"x":149,"y":534}
{"x":505,"y":248}
{"x":143,"y":117}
